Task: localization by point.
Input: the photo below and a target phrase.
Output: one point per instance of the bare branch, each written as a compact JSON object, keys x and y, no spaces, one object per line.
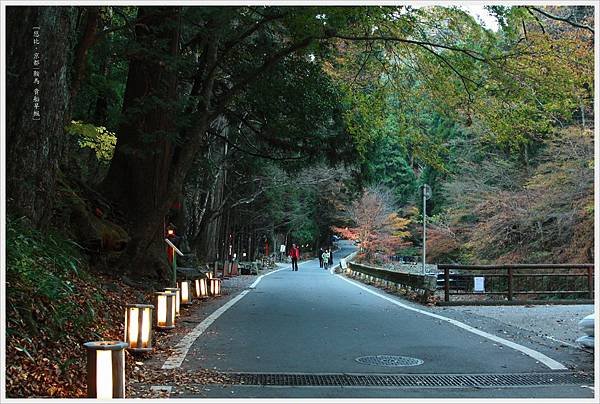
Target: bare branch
{"x":253,"y":75}
{"x":264,"y":156}
{"x":559,"y":18}
{"x":473,"y":54}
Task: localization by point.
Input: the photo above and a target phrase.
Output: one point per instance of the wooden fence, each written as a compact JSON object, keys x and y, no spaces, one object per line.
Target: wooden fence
{"x":511,"y":280}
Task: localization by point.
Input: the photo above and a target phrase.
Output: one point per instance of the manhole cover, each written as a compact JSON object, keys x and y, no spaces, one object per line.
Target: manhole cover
{"x":389,"y":360}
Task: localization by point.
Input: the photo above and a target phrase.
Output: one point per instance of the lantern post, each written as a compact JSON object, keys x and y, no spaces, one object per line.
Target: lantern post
{"x":105,"y":369}
{"x":138,"y":327}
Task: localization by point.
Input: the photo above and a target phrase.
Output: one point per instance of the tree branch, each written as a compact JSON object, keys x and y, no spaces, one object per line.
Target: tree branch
{"x":266,"y":19}
{"x":559,"y":18}
{"x":264,"y":156}
{"x":250,"y":77}
{"x":468,"y":52}
{"x":462,"y":77}
{"x":87,"y":40}
{"x":536,"y":19}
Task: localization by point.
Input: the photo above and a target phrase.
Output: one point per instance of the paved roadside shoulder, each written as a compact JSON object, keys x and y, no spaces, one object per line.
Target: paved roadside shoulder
{"x":533,"y":329}
{"x":550,"y":329}
{"x":151,"y":379}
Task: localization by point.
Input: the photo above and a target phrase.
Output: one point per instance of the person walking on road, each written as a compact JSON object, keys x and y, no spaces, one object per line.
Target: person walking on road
{"x":326,"y":259}
{"x":321,"y":251}
{"x":330,"y":257}
{"x":294,"y":255}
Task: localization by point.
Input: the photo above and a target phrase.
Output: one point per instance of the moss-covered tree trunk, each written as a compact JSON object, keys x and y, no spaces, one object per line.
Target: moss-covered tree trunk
{"x":34,"y":148}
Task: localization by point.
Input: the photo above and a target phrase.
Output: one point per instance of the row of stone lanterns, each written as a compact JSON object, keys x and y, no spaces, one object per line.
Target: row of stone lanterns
{"x":106,"y":359}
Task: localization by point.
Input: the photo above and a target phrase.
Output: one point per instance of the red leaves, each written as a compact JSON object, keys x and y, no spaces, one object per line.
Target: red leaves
{"x":377,"y":225}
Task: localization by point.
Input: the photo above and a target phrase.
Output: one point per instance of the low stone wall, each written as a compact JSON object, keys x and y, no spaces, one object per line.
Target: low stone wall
{"x":383,"y":277}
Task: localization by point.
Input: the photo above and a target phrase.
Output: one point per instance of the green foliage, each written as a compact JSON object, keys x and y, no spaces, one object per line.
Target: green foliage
{"x":100,"y":97}
{"x":97,"y":138}
{"x":42,"y":269}
{"x":365,"y":118}
{"x":478,"y":126}
{"x":543,"y":88}
{"x":442,"y":101}
{"x":303,"y":205}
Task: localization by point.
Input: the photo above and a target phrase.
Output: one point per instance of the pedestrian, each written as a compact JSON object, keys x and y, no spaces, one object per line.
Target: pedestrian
{"x":326,"y":259}
{"x":294,"y":255}
{"x":330,"y":257}
{"x":321,"y":251}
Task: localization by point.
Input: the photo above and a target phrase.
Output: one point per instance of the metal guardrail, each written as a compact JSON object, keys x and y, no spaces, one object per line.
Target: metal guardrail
{"x":427,"y":283}
{"x":173,"y":247}
{"x":512,"y":272}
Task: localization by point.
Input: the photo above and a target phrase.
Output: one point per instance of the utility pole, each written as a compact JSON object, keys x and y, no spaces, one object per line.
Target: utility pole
{"x":426,"y":192}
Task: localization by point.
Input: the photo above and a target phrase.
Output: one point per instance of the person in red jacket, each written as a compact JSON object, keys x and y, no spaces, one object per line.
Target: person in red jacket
{"x":294,"y":255}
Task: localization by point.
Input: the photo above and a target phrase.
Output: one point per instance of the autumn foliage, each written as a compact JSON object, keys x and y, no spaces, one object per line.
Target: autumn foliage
{"x":375,"y":223}
{"x":503,"y":213}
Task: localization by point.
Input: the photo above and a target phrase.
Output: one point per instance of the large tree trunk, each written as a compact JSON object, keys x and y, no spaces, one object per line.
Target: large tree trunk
{"x":138,"y":177}
{"x":34,"y":147}
{"x":208,"y":241}
{"x":205,"y":239}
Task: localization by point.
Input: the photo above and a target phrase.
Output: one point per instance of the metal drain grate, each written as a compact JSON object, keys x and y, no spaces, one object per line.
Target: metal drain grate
{"x":409,"y":380}
{"x":389,"y":360}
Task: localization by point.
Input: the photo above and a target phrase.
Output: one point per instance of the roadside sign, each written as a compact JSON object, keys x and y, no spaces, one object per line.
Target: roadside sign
{"x":478,"y":284}
{"x":426,"y":191}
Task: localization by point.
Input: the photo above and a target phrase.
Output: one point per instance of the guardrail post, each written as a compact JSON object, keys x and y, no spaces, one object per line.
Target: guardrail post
{"x":510,"y":283}
{"x":174,"y":268}
{"x":590,"y":282}
{"x":175,"y":251}
{"x":446,"y":284}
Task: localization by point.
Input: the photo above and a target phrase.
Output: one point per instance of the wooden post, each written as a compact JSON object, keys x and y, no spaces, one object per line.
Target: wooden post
{"x":590,"y":282}
{"x":446,"y":284}
{"x":118,"y":376}
{"x":174,"y":269}
{"x":91,"y":373}
{"x":510,"y":283}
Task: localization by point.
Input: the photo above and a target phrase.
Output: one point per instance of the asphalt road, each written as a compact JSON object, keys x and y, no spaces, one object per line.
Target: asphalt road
{"x":313,"y":322}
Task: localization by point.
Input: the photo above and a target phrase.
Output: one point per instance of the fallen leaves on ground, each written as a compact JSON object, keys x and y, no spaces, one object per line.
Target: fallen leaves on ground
{"x":52,"y":362}
{"x":142,"y":379}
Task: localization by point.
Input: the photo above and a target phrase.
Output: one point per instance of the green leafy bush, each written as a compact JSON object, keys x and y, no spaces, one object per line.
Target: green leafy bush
{"x":97,"y":138}
{"x":42,"y":272}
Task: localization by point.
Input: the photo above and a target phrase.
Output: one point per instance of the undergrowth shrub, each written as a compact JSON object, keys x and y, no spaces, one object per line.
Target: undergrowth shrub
{"x":53,"y":305}
{"x":42,"y":270}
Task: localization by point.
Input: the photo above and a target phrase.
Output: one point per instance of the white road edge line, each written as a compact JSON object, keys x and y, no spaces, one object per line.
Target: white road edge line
{"x":538,"y":356}
{"x":182,"y":348}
